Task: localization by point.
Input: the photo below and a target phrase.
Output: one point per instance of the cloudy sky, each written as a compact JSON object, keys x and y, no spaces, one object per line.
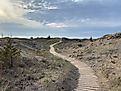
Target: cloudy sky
{"x":71,"y":18}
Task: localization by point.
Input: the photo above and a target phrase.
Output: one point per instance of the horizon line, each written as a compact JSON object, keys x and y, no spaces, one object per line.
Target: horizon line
{"x":28,"y":37}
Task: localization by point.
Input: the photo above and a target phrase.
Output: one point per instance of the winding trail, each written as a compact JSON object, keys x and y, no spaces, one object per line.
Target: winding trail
{"x":87,"y":81}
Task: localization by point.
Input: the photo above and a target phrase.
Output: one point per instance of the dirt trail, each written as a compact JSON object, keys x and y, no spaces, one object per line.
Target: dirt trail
{"x":87,"y":81}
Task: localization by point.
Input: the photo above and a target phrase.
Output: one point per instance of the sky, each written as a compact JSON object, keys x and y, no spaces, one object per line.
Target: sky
{"x":65,"y":18}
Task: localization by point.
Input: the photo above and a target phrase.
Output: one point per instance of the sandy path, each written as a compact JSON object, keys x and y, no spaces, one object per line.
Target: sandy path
{"x":87,"y":80}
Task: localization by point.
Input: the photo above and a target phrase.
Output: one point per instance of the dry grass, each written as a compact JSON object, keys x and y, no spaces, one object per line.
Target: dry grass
{"x":48,"y":73}
{"x":103,"y":55}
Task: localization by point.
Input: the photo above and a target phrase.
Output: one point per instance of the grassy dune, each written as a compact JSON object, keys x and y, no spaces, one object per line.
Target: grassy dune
{"x":37,"y":69}
{"x":103,"y":55}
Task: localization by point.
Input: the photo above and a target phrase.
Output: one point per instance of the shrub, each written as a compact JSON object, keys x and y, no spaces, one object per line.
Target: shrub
{"x":49,"y":37}
{"x":8,"y":53}
{"x":91,"y":39}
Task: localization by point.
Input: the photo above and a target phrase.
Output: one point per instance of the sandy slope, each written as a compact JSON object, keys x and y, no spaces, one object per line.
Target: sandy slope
{"x":87,"y":80}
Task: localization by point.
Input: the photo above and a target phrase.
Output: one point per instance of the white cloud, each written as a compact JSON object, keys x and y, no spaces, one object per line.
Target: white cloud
{"x":88,"y":1}
{"x":10,"y":12}
{"x":51,"y":7}
{"x":103,"y":23}
{"x":91,"y":23}
{"x":57,"y":25}
{"x":77,"y":0}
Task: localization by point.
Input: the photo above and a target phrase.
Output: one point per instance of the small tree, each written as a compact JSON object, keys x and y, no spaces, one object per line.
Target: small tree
{"x":48,"y":37}
{"x":91,"y":39}
{"x":9,"y":53}
{"x":31,"y":38}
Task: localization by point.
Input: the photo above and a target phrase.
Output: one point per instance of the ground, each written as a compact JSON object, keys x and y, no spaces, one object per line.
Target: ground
{"x":87,"y":80}
{"x":37,"y":69}
{"x":103,"y":55}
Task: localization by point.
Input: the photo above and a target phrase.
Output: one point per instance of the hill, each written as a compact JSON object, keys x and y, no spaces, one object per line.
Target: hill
{"x":37,"y":69}
{"x":103,"y":55}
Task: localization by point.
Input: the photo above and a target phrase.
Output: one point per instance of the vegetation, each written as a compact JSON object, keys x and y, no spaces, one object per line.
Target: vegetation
{"x":103,"y":55}
{"x":36,"y":69}
{"x":91,"y":39}
{"x":49,"y":37}
{"x":8,"y":54}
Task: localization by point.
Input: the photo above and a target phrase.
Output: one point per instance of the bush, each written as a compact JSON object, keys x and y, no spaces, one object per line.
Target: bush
{"x":8,"y":53}
{"x":49,"y":37}
{"x":91,"y":39}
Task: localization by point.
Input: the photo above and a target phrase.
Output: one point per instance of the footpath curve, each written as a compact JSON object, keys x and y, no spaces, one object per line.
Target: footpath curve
{"x":87,"y":81}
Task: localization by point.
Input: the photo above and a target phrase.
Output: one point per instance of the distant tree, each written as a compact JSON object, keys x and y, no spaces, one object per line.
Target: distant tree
{"x":9,"y":53}
{"x":48,"y":37}
{"x":2,"y":35}
{"x":31,"y":38}
{"x":91,"y":39}
{"x":37,"y":38}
